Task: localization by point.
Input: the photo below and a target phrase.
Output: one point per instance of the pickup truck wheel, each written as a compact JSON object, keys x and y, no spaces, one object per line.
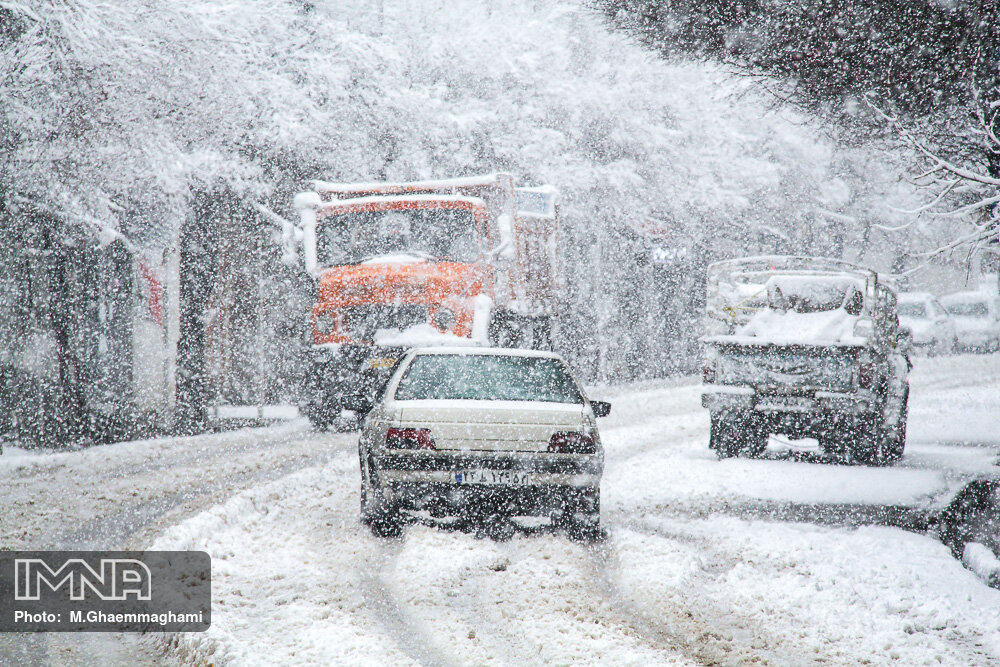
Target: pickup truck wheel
{"x":872,"y":442}
{"x":755,"y":437}
{"x":722,"y":437}
{"x":897,"y":436}
{"x":735,"y":434}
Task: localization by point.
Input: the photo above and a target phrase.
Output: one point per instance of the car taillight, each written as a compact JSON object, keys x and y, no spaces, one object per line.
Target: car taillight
{"x":572,"y":443}
{"x":409,"y":438}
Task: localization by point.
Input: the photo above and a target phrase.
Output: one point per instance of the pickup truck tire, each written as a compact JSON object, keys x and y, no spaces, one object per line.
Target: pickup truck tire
{"x":736,"y":434}
{"x":874,"y":442}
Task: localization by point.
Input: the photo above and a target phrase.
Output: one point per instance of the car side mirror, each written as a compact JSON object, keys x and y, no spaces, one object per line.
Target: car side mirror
{"x":358,"y":403}
{"x":600,"y":408}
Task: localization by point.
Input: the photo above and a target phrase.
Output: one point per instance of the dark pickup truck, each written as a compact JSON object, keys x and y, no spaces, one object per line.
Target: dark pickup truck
{"x":804,"y":347}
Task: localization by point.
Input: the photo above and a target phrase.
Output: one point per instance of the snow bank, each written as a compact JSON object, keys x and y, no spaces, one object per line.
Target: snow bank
{"x":983,"y":562}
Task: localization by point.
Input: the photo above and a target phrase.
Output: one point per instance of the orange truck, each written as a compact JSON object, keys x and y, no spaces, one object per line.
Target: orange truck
{"x":463,"y":261}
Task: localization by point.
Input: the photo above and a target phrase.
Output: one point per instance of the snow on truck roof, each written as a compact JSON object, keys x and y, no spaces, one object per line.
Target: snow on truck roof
{"x":374,"y":202}
{"x":788,"y":264}
{"x":484,"y":180}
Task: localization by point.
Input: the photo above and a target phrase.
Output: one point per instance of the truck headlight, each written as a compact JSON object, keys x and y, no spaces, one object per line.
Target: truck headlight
{"x":325,"y":323}
{"x":444,"y":318}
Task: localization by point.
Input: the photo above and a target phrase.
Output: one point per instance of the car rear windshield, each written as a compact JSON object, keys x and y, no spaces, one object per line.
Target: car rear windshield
{"x":912,"y":309}
{"x":814,"y":294}
{"x":488,"y":377}
{"x":969,"y":309}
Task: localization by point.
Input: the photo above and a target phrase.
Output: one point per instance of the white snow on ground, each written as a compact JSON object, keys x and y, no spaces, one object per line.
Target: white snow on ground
{"x":11,"y":451}
{"x":674,"y":584}
{"x":291,"y":558}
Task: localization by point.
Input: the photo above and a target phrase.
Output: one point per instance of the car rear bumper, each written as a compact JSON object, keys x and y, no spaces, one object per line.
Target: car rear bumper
{"x":977,"y":338}
{"x":545,"y":483}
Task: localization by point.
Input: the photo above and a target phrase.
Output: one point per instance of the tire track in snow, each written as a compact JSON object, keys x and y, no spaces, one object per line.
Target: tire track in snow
{"x":710,"y":634}
{"x":380,"y":597}
{"x":477,"y":611}
{"x":706,"y":632}
{"x":129,"y":525}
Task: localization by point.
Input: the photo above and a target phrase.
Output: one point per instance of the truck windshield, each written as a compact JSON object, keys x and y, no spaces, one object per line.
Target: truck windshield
{"x":488,"y":378}
{"x":439,"y":233}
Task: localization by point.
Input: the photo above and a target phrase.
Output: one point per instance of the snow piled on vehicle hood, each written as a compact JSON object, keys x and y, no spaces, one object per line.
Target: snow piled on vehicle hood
{"x":836,"y":326}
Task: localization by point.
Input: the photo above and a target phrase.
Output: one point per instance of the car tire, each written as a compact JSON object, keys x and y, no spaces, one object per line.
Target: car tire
{"x":831,"y":443}
{"x":499,"y":528}
{"x":587,"y":532}
{"x":897,"y":435}
{"x":320,"y":417}
{"x":505,"y":330}
{"x":581,"y":518}
{"x":973,"y":515}
{"x":735,"y":434}
{"x":383,"y":519}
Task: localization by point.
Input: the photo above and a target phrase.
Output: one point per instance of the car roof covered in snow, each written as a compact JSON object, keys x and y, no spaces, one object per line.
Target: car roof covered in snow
{"x":972,"y":296}
{"x":914,"y":297}
{"x":494,"y":351}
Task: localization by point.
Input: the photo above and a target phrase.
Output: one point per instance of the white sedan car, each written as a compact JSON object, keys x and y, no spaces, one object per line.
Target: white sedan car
{"x":483,"y":435}
{"x":928,"y":321}
{"x":977,"y":320}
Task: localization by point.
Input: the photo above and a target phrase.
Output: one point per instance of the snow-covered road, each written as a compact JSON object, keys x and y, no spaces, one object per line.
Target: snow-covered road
{"x":789,"y":559}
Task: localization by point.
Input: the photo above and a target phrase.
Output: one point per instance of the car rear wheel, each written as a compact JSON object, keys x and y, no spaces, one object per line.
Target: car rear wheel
{"x":874,"y":442}
{"x":382,"y":518}
{"x":735,"y":434}
{"x":582,"y":518}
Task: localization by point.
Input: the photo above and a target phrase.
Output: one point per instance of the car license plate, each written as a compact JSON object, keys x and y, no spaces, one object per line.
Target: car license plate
{"x":785,"y":403}
{"x":503,"y":477}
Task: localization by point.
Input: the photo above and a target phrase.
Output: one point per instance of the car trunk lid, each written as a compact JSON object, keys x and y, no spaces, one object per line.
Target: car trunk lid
{"x":492,"y":425}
